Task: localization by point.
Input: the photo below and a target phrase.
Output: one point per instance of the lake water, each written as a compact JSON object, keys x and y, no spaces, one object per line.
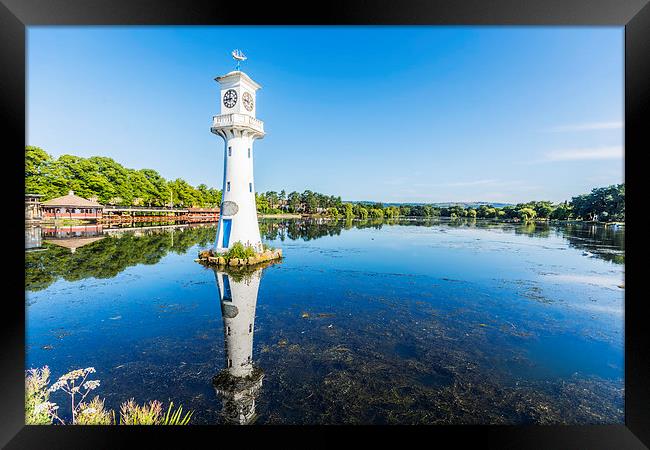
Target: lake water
{"x":361,"y":322}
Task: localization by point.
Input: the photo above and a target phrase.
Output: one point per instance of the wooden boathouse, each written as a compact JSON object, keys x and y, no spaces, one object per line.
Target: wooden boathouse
{"x":71,"y":206}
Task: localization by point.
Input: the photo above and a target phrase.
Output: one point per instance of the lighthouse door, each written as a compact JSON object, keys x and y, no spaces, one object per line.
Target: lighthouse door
{"x":226,"y":232}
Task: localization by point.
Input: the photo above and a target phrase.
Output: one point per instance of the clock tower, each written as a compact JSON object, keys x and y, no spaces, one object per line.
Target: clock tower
{"x":239,"y":128}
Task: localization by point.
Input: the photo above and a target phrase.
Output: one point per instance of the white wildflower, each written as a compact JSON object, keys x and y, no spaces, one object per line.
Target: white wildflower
{"x":90,"y":385}
{"x":40,"y":408}
{"x":48,"y":407}
{"x":56,"y":386}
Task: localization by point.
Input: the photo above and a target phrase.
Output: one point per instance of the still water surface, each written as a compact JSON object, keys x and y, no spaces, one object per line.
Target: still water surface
{"x":364,"y":322}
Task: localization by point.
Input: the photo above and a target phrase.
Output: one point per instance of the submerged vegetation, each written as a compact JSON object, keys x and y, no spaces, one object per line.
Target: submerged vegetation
{"x":342,"y":345}
{"x":40,"y":411}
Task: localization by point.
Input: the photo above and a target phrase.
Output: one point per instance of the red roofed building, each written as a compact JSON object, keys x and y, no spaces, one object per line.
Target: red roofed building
{"x":71,"y":207}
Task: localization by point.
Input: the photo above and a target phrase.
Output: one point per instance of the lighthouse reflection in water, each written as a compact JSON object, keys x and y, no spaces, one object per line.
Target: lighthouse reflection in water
{"x":239,"y":383}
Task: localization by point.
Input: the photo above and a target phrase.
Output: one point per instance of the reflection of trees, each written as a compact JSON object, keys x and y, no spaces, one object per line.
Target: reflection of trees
{"x":607,"y":243}
{"x":110,"y":256}
{"x":533,"y":229}
{"x":305,"y":229}
{"x":604,"y":242}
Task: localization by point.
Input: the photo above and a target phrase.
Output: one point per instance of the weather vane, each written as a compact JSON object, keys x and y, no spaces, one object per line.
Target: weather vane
{"x":239,"y":56}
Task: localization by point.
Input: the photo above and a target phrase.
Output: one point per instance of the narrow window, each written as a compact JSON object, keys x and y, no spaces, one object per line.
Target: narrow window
{"x":229,"y":362}
{"x":228,"y":329}
{"x":250,"y":187}
{"x":228,"y":186}
{"x":229,"y":151}
{"x":227,"y":296}
{"x":250,"y":327}
{"x":249,"y":152}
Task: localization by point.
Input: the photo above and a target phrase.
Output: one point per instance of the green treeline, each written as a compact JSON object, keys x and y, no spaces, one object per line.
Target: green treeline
{"x":109,"y":182}
{"x":112,"y":184}
{"x":606,"y":204}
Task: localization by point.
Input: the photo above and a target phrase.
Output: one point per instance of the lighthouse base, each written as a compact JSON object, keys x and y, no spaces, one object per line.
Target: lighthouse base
{"x":212,"y":259}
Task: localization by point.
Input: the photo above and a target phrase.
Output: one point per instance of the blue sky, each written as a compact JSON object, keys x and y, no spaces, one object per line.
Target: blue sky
{"x":395,"y":114}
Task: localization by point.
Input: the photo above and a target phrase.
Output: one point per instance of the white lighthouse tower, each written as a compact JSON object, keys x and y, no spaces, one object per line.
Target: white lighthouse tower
{"x":239,"y":128}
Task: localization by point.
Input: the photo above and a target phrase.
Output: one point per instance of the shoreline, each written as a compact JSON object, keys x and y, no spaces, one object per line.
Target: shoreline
{"x":281,"y":216}
{"x":72,"y":222}
{"x":323,"y":216}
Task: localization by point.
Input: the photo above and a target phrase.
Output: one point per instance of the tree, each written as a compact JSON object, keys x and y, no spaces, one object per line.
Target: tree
{"x":109,"y":181}
{"x":333,"y":212}
{"x":562,"y":212}
{"x":262,"y":203}
{"x":526,"y":214}
{"x":294,"y":201}
{"x":543,"y":209}
{"x":376,"y":213}
{"x":609,"y":200}
{"x":349,"y":213}
{"x":272,"y":197}
{"x":309,"y":201}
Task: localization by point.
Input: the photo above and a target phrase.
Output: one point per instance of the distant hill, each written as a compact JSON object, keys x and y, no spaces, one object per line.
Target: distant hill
{"x":440,"y":205}
{"x":472,"y":204}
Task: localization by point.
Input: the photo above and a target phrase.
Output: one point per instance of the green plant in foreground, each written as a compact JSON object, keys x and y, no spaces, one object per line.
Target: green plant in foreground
{"x":40,"y":411}
{"x":174,"y":417}
{"x":133,"y":414}
{"x":151,"y":414}
{"x":93,"y":413}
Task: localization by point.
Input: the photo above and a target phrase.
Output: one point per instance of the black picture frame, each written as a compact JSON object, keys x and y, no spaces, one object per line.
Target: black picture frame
{"x":634,"y":15}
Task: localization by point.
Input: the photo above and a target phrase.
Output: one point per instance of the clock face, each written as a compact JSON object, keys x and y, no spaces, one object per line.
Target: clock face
{"x":230,"y":98}
{"x":247,"y":100}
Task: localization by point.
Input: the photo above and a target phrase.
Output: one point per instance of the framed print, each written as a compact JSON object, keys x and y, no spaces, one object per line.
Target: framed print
{"x":381,"y":217}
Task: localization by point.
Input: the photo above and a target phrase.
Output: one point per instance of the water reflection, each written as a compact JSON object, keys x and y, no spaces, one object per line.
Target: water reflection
{"x":471,"y":321}
{"x":602,"y":242}
{"x":103,"y":253}
{"x":597,"y":240}
{"x":33,"y":239}
{"x":239,"y":383}
{"x":108,"y":253}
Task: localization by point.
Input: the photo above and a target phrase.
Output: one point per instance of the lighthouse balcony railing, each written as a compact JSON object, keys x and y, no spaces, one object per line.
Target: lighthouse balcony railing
{"x":228,"y":120}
